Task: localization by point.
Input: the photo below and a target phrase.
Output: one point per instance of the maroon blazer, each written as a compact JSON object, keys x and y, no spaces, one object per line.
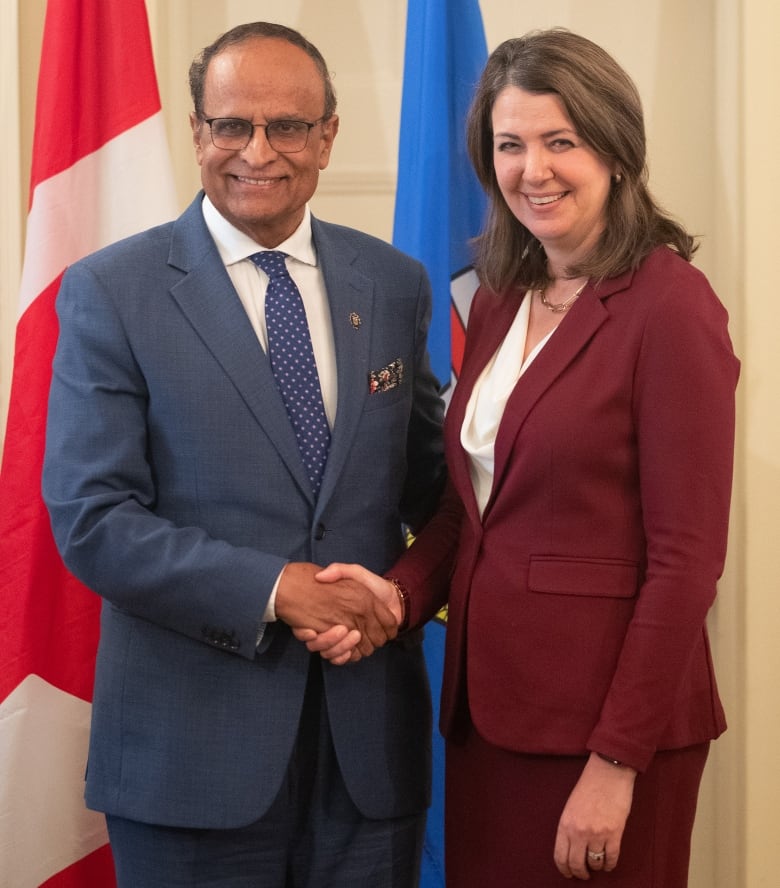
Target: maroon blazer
{"x":577,"y":603}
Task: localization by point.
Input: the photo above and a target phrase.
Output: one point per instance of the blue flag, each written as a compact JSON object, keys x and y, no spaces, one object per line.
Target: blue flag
{"x":439,"y":207}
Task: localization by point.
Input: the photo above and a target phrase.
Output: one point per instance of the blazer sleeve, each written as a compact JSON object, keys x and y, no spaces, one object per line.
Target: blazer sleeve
{"x":684,"y":416}
{"x":426,"y":568}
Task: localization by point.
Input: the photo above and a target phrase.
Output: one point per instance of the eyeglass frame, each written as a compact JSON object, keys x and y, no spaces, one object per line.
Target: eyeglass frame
{"x":264,"y":126}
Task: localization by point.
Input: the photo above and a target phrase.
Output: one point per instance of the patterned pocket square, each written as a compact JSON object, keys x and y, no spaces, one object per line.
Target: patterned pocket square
{"x":387,"y":378}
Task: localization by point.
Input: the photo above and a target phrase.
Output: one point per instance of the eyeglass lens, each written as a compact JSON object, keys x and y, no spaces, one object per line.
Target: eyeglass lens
{"x":233,"y":133}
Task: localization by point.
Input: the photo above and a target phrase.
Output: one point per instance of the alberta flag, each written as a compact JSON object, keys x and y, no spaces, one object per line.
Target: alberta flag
{"x":100,"y":171}
{"x":439,"y":207}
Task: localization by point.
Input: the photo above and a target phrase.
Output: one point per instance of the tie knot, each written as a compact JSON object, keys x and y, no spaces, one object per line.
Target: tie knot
{"x":272,"y":262}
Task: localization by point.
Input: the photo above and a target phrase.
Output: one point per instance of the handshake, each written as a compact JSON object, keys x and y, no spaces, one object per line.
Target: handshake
{"x":344,"y":612}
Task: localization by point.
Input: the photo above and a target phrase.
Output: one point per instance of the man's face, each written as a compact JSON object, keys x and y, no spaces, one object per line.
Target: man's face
{"x":259,"y":190}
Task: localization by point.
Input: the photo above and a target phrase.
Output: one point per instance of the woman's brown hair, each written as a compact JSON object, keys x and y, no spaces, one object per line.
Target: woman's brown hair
{"x":604,"y":106}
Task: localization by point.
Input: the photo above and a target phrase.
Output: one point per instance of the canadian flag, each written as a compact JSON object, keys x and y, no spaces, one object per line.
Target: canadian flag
{"x":100,"y":171}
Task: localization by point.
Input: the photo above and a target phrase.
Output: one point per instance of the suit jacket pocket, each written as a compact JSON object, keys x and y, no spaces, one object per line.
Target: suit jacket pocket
{"x":598,"y":577}
{"x":543,"y":655}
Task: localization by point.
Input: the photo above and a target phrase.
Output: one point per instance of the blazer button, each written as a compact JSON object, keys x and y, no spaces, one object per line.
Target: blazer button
{"x":319,"y":532}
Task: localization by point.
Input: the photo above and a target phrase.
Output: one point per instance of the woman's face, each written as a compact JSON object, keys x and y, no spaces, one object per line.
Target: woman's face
{"x":553,"y":182}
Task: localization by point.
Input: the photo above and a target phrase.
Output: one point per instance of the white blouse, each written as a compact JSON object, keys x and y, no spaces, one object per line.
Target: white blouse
{"x":488,"y":400}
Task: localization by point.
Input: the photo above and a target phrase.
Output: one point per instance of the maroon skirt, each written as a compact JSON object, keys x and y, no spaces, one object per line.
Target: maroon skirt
{"x":503,"y":808}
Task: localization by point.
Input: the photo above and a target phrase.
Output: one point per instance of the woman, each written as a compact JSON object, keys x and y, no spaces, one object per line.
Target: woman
{"x":590,"y":446}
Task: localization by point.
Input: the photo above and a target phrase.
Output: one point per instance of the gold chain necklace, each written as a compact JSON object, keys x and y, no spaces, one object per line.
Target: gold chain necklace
{"x":561,"y":306}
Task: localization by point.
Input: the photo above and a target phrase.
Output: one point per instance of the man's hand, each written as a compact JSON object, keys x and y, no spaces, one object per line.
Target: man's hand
{"x":339,"y":644}
{"x":383,"y":589}
{"x":343,"y":604}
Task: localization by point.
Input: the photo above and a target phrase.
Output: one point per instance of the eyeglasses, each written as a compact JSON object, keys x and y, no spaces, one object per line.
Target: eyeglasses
{"x":284,"y":136}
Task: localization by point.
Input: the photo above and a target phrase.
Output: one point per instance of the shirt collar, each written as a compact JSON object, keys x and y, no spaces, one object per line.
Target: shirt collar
{"x":235,"y":246}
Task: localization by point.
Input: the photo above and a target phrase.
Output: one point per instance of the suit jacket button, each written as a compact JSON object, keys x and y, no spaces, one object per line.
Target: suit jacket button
{"x":319,"y":532}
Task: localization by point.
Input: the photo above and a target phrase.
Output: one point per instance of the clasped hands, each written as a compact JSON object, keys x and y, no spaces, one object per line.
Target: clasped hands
{"x":343,"y":612}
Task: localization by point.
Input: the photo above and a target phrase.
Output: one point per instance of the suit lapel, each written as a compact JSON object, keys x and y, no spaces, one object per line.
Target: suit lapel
{"x":208,"y":300}
{"x":351,"y":300}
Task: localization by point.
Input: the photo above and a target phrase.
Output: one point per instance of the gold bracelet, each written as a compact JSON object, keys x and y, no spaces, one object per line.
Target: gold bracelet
{"x":403,"y":598}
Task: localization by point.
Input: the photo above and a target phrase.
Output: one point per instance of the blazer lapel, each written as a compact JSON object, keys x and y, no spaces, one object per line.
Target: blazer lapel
{"x":572,"y":335}
{"x":208,"y":300}
{"x":484,"y":336}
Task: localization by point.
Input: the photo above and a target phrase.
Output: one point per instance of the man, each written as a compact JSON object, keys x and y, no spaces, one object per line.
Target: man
{"x":182,"y":491}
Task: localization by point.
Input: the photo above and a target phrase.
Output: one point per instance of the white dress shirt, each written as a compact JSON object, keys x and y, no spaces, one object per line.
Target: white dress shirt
{"x":488,"y":401}
{"x":251,"y":283}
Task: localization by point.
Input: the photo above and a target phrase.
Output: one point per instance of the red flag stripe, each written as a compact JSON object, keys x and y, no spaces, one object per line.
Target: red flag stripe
{"x":94,"y":82}
{"x":93,"y":871}
{"x":37,"y":629}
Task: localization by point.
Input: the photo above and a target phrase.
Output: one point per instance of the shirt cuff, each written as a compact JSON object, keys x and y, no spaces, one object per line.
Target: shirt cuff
{"x":269,"y":614}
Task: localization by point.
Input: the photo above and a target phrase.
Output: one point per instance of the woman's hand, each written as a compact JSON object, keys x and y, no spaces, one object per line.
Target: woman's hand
{"x":339,"y":645}
{"x":591,"y":826}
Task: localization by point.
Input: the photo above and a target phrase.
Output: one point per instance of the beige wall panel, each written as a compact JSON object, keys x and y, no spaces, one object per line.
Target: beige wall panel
{"x":10,"y":199}
{"x":761,"y":177}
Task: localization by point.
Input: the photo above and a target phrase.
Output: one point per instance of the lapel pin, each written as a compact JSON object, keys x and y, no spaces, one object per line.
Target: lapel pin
{"x":354,"y":319}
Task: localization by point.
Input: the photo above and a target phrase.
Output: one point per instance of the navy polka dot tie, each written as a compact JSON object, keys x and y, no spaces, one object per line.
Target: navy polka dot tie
{"x":292,"y":362}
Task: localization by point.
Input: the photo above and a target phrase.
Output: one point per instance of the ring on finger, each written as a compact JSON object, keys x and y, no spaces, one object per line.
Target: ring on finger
{"x":596,"y":856}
